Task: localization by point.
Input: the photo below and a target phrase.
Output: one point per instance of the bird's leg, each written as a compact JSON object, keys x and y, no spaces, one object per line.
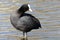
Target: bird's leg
{"x":24,"y":35}
{"x":23,"y":38}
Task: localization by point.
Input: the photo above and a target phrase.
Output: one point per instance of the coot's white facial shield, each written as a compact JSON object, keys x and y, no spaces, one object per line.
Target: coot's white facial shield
{"x":29,"y":8}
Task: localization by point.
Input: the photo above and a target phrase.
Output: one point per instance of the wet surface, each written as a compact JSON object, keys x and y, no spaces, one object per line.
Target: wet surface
{"x":47,"y":11}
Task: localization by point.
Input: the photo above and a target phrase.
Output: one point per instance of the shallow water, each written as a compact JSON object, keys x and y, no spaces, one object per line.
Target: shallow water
{"x":47,"y":11}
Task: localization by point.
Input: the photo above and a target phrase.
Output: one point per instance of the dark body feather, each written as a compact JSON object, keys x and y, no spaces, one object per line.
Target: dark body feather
{"x":24,"y":22}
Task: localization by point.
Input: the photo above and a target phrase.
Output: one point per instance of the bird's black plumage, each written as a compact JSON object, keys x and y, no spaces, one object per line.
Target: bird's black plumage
{"x":23,"y":21}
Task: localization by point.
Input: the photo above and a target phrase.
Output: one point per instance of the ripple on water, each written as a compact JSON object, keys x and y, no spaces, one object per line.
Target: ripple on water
{"x":47,"y":11}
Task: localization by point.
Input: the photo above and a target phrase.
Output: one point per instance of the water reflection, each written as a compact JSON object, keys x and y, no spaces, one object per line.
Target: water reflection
{"x":47,"y":11}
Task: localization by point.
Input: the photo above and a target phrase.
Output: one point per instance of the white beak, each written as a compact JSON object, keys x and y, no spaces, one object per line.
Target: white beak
{"x":29,"y":8}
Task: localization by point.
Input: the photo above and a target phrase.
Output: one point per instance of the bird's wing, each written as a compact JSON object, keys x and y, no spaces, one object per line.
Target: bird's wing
{"x":28,"y":22}
{"x":25,"y":21}
{"x":37,"y":22}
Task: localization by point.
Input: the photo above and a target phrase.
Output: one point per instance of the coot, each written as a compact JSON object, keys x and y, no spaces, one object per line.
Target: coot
{"x":23,"y":21}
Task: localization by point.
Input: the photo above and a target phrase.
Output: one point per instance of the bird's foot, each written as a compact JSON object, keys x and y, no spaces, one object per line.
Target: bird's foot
{"x":24,"y":38}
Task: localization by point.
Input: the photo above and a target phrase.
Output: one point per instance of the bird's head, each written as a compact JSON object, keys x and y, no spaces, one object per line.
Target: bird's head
{"x":24,"y":8}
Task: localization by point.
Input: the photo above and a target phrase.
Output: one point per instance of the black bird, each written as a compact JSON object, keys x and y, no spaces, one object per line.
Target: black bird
{"x":23,"y":21}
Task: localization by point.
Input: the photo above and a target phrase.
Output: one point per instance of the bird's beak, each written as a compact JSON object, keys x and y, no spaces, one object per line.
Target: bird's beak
{"x":29,"y":8}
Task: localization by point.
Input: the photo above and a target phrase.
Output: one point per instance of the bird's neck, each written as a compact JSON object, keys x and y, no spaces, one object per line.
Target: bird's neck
{"x":20,"y":14}
{"x":20,"y":11}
